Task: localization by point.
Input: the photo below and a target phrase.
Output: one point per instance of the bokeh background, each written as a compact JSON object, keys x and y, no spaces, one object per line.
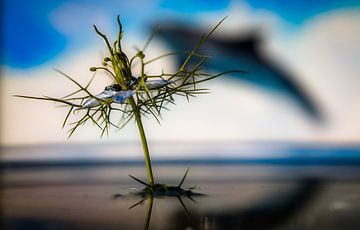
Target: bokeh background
{"x":302,"y":59}
{"x":275,"y":148}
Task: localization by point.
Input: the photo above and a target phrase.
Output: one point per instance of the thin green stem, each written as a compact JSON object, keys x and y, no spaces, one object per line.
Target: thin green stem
{"x":143,"y":140}
{"x":148,"y":212}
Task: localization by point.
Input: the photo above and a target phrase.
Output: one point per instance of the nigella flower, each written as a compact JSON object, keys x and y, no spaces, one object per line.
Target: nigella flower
{"x":130,"y":97}
{"x":118,"y":95}
{"x":108,"y":93}
{"x":154,"y":84}
{"x":143,"y":95}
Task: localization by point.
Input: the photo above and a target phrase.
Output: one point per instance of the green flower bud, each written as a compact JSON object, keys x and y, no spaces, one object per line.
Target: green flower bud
{"x":106,"y":59}
{"x":104,"y":63}
{"x":140,"y":54}
{"x":92,"y":69}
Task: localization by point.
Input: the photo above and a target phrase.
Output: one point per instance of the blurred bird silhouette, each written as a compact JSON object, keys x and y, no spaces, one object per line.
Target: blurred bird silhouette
{"x":241,"y":53}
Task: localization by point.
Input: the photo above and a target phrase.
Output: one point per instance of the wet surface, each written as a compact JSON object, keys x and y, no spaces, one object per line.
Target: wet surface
{"x":236,"y":197}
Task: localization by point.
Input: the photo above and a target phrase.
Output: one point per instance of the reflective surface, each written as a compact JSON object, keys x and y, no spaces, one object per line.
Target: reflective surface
{"x":236,"y":197}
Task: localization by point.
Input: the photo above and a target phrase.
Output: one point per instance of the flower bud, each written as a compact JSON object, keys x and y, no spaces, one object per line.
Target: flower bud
{"x":104,"y":63}
{"x":106,"y":59}
{"x":140,"y":54}
{"x":92,"y":69}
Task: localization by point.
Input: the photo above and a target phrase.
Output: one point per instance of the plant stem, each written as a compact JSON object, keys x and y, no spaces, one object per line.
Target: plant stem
{"x":148,"y":212}
{"x":143,"y":140}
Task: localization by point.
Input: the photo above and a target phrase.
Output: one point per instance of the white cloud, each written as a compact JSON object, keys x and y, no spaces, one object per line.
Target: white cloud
{"x":325,"y":52}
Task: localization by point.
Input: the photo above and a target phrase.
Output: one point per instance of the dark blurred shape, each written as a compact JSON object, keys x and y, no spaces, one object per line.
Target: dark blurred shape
{"x":38,"y":224}
{"x":269,"y":213}
{"x":274,"y":211}
{"x":240,"y":53}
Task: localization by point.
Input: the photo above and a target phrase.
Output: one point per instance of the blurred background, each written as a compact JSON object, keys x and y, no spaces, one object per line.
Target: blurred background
{"x":275,"y":148}
{"x":302,"y":60}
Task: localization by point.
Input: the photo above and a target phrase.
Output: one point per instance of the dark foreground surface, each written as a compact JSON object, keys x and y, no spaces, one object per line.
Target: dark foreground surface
{"x":256,"y":186}
{"x":236,"y":196}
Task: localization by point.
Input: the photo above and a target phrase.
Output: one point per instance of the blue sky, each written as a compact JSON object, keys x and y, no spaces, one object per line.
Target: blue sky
{"x":30,"y":38}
